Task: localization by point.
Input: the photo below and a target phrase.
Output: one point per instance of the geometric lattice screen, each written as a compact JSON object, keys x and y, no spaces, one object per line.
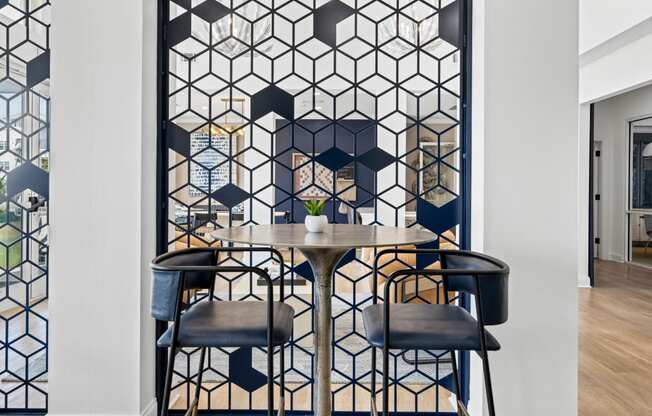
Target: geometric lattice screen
{"x":24,"y":157}
{"x":269,"y":103}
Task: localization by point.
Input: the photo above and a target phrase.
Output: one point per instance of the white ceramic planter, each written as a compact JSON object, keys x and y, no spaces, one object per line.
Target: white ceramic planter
{"x":316,"y":223}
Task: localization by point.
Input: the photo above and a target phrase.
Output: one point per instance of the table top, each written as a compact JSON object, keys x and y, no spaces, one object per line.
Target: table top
{"x":334,"y":236}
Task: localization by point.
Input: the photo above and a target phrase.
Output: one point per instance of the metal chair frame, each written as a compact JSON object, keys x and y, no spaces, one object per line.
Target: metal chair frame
{"x":399,"y":275}
{"x":179,"y":308}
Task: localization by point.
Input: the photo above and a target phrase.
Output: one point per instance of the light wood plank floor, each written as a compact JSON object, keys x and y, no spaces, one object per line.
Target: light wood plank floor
{"x":615,"y":320}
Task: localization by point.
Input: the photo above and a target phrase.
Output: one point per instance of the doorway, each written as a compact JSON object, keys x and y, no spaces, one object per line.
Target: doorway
{"x":639,"y":213}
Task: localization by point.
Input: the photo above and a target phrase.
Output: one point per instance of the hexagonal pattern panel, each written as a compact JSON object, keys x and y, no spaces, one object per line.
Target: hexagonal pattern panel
{"x":269,"y":104}
{"x":24,"y":193}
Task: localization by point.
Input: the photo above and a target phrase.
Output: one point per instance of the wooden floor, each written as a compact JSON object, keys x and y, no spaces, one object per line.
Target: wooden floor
{"x":615,"y":372}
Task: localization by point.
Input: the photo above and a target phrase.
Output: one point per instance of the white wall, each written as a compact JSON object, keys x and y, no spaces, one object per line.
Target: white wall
{"x":611,"y":127}
{"x":615,"y":40}
{"x":621,"y":69}
{"x":601,"y":20}
{"x":530,"y":198}
{"x":102,"y":168}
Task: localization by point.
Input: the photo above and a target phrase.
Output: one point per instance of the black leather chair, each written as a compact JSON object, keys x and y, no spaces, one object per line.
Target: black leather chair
{"x":444,"y":326}
{"x":216,"y":324}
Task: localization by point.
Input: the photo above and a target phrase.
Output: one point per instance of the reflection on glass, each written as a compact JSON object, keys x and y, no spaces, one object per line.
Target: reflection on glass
{"x":641,"y":236}
{"x":641,"y":194}
{"x":642,"y":171}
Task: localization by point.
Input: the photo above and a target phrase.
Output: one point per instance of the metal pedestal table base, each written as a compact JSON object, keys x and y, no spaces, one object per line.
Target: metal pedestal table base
{"x":323,"y":262}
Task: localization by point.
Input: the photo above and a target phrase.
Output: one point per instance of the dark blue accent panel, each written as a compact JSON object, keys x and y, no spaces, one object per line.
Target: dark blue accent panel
{"x":38,"y":69}
{"x":425,"y":260}
{"x":314,"y":137}
{"x":304,"y":270}
{"x":449,"y":23}
{"x":448,"y":382}
{"x":178,"y":139}
{"x":242,"y":373}
{"x":179,"y":29}
{"x":28,"y":176}
{"x":440,"y":219}
{"x":211,"y":11}
{"x":230,"y":195}
{"x":376,"y":159}
{"x":270,"y":99}
{"x":334,"y":159}
{"x":186,"y":4}
{"x":348,"y":258}
{"x":326,"y":18}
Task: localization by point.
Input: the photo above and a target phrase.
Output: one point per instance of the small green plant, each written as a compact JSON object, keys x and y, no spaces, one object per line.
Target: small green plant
{"x":315,"y":207}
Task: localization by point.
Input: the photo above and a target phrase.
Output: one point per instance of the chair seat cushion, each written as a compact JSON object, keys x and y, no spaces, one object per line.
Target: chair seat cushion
{"x":231,"y":324}
{"x":425,"y":327}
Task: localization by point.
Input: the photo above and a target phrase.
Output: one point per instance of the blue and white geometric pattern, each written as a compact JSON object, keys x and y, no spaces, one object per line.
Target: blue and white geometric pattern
{"x":24,"y":195}
{"x":268,"y":103}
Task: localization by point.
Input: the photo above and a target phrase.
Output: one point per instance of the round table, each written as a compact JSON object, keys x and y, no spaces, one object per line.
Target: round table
{"x":323,"y":252}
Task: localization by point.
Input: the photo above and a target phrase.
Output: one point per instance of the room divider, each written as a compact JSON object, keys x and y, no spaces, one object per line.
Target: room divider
{"x":266,"y":104}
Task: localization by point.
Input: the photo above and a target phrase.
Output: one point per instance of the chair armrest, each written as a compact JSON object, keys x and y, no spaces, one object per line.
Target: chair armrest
{"x":217,"y":269}
{"x":501,"y":267}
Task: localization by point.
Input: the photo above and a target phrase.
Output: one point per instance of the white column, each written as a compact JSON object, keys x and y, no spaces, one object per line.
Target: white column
{"x":102,"y":198}
{"x":531,"y":198}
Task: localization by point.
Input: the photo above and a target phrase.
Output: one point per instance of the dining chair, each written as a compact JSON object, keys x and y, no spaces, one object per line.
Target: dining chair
{"x":648,"y":230}
{"x":209,"y":323}
{"x":408,"y":326}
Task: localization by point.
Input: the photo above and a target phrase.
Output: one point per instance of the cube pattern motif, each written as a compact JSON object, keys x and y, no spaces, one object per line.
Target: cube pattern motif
{"x":371,"y":86}
{"x":24,"y":195}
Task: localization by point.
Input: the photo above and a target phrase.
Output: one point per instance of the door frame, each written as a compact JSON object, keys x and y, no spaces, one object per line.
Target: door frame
{"x":629,"y":210}
{"x":591,"y":244}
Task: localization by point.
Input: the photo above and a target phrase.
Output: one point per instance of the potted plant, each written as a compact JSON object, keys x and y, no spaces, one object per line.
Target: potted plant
{"x":315,"y":220}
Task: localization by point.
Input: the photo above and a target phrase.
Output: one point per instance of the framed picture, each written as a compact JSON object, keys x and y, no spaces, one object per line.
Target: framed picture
{"x":200,"y":176}
{"x":436,"y":173}
{"x":323,"y":179}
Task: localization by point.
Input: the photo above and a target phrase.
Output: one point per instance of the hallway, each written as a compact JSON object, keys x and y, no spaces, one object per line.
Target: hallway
{"x":615,"y":319}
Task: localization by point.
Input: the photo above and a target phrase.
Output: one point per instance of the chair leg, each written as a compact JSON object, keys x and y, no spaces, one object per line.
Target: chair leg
{"x":456,"y":380}
{"x":374,"y":408}
{"x":195,"y":403}
{"x":270,"y":381}
{"x":165,"y":403}
{"x":385,"y":381}
{"x":461,"y":408}
{"x":281,"y":405}
{"x":487,"y":383}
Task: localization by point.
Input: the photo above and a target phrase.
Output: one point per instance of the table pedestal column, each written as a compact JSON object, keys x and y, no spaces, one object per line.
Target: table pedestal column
{"x":323,"y":262}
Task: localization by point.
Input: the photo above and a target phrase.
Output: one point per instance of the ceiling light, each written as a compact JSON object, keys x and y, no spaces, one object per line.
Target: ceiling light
{"x":423,"y":35}
{"x":647,"y":150}
{"x":234,"y":35}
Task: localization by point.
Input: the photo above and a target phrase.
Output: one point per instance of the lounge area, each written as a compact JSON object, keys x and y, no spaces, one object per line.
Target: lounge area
{"x":323,"y":207}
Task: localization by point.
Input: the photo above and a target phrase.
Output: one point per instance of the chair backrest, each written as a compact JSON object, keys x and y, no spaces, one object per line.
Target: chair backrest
{"x":493,"y":287}
{"x":165,"y":284}
{"x":648,"y":224}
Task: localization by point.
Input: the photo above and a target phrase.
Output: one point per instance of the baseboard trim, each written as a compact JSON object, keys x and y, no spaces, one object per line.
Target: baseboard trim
{"x":617,"y":257}
{"x":583,"y":281}
{"x":150,"y":409}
